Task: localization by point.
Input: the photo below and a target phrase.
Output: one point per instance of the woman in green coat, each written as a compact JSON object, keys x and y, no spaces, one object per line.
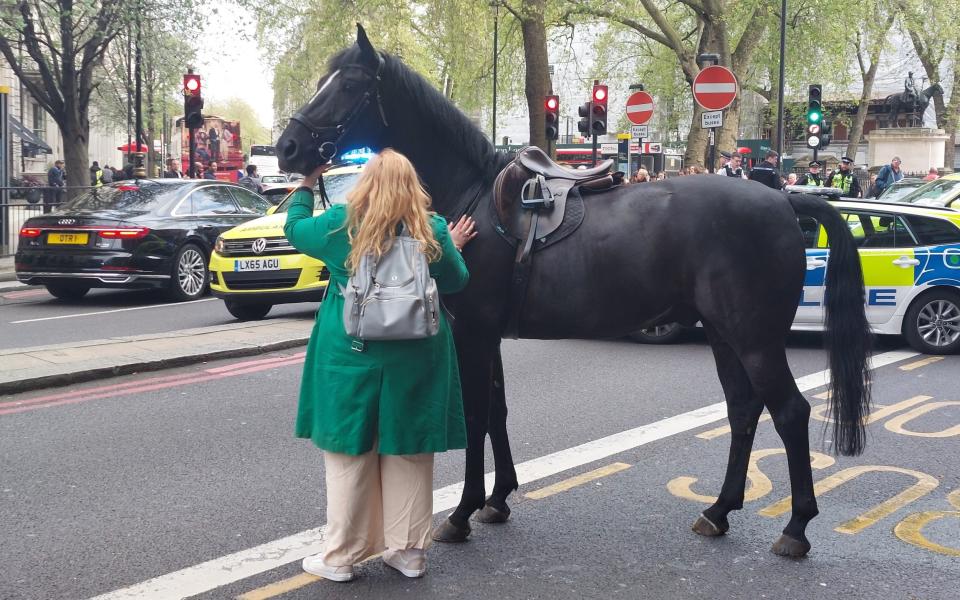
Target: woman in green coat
{"x":378,"y":409}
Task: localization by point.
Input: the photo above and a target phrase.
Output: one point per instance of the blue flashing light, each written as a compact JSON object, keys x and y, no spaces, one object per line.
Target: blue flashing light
{"x":358,"y":155}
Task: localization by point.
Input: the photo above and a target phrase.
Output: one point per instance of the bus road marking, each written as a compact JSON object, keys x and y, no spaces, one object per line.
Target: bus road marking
{"x":921,"y":363}
{"x":577,"y":480}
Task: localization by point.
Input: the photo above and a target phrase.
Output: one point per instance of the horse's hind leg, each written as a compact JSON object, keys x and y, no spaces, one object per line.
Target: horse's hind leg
{"x":496,"y":509}
{"x":772,"y":381}
{"x":743,"y":412}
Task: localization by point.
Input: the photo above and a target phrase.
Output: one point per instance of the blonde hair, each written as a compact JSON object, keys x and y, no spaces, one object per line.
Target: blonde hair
{"x":387,"y":194}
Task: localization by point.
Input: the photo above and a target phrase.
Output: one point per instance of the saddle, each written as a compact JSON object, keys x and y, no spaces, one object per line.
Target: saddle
{"x":537,"y":203}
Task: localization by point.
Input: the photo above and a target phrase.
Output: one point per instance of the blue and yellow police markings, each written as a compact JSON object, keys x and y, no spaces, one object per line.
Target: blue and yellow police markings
{"x":907,"y":485}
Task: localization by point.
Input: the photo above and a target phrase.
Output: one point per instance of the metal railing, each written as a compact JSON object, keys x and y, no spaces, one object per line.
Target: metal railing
{"x":17,"y":204}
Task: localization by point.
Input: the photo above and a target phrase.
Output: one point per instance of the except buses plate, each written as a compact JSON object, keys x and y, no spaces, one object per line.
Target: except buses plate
{"x":67,"y":238}
{"x":257,"y":264}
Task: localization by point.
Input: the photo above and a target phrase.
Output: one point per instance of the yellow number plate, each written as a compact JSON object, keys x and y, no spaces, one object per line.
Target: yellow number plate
{"x":67,"y":238}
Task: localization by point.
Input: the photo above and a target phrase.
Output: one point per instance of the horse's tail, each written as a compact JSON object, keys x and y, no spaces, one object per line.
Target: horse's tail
{"x":847,"y":334}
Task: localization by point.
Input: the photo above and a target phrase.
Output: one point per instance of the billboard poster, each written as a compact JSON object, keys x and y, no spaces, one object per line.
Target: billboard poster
{"x":217,"y":141}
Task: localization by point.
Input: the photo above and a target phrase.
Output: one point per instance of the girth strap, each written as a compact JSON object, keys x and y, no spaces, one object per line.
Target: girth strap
{"x":522,"y":266}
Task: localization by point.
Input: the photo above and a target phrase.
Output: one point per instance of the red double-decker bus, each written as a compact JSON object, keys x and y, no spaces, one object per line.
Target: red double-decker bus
{"x":217,"y":141}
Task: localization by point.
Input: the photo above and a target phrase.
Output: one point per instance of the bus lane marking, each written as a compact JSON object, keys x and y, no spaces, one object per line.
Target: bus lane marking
{"x":896,"y":424}
{"x":910,"y":529}
{"x":577,"y":480}
{"x":115,"y":310}
{"x":921,"y":363}
{"x":228,"y":569}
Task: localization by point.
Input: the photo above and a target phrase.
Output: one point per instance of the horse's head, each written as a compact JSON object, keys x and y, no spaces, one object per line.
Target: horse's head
{"x":344,"y":113}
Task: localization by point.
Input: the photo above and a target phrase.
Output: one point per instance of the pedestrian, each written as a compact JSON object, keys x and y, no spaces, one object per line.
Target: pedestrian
{"x":379,"y":410}
{"x":172,"y":172}
{"x":56,"y":181}
{"x":932,"y":174}
{"x":214,"y":142}
{"x":127,"y":170}
{"x":734,"y":167}
{"x":251,"y":180}
{"x":211,"y":172}
{"x":844,"y":179}
{"x":792,"y":179}
{"x":766,"y":171}
{"x":661,"y":176}
{"x":641,"y":175}
{"x":872,"y":191}
{"x":889,"y":175}
{"x":96,"y":174}
{"x":107,"y":174}
{"x":812,"y":177}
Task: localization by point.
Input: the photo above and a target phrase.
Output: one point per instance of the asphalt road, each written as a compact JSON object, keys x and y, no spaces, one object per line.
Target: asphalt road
{"x":110,"y":484}
{"x":29,"y":316}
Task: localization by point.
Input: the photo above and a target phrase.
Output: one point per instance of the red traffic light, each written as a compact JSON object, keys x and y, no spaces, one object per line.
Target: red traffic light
{"x":191,"y":84}
{"x":600,"y":93}
{"x":552,"y":103}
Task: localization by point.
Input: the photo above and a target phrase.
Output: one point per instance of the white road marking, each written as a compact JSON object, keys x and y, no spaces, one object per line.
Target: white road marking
{"x":225,"y":570}
{"x":116,"y":310}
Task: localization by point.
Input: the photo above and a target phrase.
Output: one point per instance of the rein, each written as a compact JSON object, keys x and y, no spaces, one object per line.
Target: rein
{"x":329,"y":150}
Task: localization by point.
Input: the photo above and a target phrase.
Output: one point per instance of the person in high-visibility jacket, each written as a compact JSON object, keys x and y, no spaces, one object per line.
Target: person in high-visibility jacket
{"x":96,"y":175}
{"x":844,"y":179}
{"x":812,"y":177}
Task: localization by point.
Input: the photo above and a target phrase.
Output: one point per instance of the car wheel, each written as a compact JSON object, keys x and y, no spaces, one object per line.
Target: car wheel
{"x":248,"y":312}
{"x":190,"y":277}
{"x":666,"y":333}
{"x":67,"y":291}
{"x":932,"y":323}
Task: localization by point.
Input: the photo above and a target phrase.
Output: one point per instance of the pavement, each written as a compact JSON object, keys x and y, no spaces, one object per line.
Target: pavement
{"x":6,"y":269}
{"x":23,"y":369}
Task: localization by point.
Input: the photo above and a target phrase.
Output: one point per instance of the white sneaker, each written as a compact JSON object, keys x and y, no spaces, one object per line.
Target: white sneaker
{"x":412,"y":562}
{"x":315,"y":566}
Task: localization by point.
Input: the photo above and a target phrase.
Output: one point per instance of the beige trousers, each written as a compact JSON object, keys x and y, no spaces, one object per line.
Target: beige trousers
{"x":376,"y":502}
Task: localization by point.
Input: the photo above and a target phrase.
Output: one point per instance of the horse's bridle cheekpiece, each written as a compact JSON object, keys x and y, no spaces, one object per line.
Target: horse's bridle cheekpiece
{"x":329,"y":150}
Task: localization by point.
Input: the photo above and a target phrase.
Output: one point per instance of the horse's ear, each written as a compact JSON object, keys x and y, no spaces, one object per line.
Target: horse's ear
{"x":364,"y":42}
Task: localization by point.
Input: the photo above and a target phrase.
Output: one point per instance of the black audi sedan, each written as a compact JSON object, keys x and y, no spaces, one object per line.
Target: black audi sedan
{"x":147,"y":233}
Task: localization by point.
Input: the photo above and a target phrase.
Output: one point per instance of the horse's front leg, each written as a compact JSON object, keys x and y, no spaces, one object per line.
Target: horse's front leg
{"x":497,"y":510}
{"x":475,"y":359}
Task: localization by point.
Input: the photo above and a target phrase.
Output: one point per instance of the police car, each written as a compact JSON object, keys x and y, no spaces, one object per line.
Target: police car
{"x":911,"y":269}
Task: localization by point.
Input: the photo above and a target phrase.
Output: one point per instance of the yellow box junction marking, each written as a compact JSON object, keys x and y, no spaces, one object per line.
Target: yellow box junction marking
{"x":910,"y":529}
{"x":921,"y":363}
{"x":925,"y":484}
{"x":573,"y":482}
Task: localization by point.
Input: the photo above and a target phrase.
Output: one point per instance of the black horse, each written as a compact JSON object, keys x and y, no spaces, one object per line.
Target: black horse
{"x":726,"y":252}
{"x":912,"y":107}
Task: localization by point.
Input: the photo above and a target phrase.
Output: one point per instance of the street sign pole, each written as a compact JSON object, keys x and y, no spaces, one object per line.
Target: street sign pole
{"x":713,"y":148}
{"x":594,"y":153}
{"x":639,"y":111}
{"x":714,"y":89}
{"x":193,"y":148}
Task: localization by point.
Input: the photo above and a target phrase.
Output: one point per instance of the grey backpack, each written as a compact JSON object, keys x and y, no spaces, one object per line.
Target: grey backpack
{"x":393,"y":298}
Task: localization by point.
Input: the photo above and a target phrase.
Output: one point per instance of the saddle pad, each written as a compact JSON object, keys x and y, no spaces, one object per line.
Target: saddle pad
{"x":572,"y":218}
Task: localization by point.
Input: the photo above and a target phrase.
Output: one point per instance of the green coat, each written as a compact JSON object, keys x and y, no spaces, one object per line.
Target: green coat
{"x":406,"y":393}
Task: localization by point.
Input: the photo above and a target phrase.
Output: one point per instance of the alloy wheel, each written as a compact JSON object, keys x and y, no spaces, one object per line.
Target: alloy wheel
{"x":191,"y":272}
{"x":938,"y":323}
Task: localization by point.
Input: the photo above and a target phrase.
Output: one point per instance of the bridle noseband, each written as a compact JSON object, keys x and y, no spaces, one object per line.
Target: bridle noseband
{"x":329,"y":150}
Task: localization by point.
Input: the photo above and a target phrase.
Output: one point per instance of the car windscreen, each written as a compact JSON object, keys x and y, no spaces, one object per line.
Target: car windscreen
{"x":934,"y":193}
{"x":263,"y":151}
{"x":897,"y":191}
{"x":134,"y":199}
{"x":337,"y":187}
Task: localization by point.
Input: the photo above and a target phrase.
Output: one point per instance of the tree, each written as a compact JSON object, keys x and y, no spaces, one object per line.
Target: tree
{"x":868,"y":43}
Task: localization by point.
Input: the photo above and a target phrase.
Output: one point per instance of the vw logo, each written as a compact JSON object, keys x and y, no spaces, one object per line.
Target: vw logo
{"x":259,"y":245}
{"x":66,"y":222}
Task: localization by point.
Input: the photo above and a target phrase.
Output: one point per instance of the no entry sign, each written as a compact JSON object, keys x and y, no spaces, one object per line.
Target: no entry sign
{"x":715,"y":88}
{"x":639,"y":107}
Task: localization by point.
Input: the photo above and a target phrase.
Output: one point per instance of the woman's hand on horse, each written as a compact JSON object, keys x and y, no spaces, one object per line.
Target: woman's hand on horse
{"x":462,"y":231}
{"x":310,"y":181}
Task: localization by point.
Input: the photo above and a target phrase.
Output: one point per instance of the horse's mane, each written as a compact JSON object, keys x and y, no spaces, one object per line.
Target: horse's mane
{"x":450,"y":125}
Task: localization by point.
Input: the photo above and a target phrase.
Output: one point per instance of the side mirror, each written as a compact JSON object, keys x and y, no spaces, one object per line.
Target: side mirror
{"x":272,"y":210}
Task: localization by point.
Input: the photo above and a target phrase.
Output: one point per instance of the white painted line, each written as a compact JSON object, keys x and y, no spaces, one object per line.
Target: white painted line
{"x":225,"y":570}
{"x":116,"y":310}
{"x":639,"y":108}
{"x":715,"y":88}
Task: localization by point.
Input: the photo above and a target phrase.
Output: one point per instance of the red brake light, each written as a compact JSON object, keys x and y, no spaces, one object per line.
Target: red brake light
{"x":131,"y":233}
{"x":128,"y":187}
{"x":30,"y":232}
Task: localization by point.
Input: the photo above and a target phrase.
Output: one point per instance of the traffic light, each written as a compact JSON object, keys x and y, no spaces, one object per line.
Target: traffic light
{"x":551,"y":117}
{"x":192,"y":101}
{"x":583,"y":125}
{"x":826,"y":131}
{"x":599,"y":110}
{"x":814,"y":117}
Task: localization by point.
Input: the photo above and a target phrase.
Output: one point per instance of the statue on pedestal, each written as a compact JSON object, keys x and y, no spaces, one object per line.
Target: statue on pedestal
{"x":912,"y":102}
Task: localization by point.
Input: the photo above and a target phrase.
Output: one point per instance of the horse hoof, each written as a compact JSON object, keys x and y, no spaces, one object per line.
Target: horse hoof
{"x":491,"y":514}
{"x":788,"y":546}
{"x":705,"y":527}
{"x":450,"y":533}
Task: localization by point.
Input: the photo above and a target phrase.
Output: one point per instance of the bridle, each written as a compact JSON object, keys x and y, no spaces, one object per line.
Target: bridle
{"x":329,"y":150}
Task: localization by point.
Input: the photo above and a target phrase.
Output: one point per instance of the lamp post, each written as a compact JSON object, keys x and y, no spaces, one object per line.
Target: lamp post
{"x":496,"y":31}
{"x":783,"y":52}
{"x":712,"y":59}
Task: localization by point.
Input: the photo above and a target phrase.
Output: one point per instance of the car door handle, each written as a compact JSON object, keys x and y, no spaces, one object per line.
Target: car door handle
{"x":906,"y":261}
{"x":815,"y":263}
